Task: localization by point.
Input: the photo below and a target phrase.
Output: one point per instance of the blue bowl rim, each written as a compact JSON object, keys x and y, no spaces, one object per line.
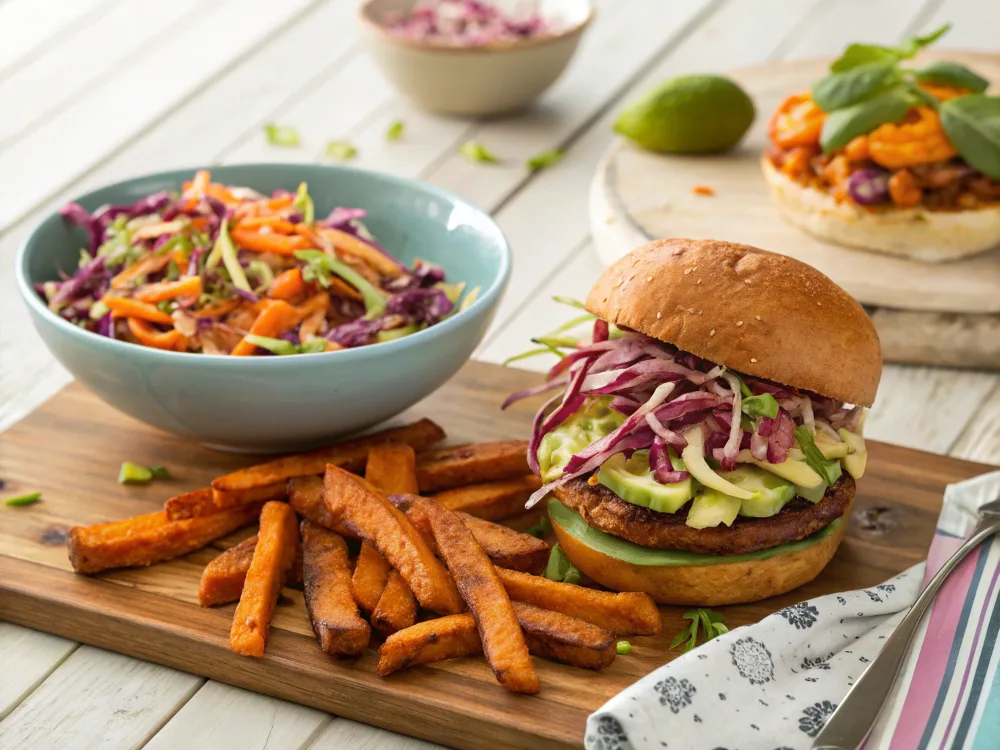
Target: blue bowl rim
{"x":486,"y":299}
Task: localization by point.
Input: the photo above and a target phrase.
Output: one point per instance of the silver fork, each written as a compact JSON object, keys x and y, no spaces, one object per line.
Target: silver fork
{"x":850,"y":724}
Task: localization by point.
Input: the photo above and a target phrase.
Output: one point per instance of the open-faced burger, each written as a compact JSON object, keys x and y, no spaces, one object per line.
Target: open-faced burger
{"x":887,"y":158}
{"x":705,"y":439}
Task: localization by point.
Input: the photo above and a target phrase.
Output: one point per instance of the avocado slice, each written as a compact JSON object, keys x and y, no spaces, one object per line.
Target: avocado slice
{"x":635,"y":554}
{"x":693,"y":456}
{"x":832,"y":450}
{"x":796,"y":472}
{"x":711,"y":507}
{"x":769,"y":492}
{"x":591,"y":422}
{"x":812,"y":494}
{"x":855,"y":461}
{"x":633,"y":482}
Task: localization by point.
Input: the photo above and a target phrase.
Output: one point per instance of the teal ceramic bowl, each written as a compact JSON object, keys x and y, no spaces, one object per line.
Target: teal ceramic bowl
{"x":264,"y":404}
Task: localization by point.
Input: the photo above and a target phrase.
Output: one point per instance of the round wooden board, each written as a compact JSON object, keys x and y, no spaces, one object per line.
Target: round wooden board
{"x":638,"y":195}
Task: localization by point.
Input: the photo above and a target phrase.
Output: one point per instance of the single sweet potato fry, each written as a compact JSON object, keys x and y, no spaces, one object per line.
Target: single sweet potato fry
{"x":492,"y":501}
{"x":143,"y":540}
{"x":332,"y":611}
{"x":223,"y":578}
{"x":277,"y":541}
{"x":367,"y":513}
{"x":397,"y":607}
{"x":457,"y":466}
{"x":504,"y":546}
{"x":477,"y":580}
{"x":191,"y":504}
{"x":305,"y":495}
{"x":570,"y":640}
{"x":351,"y":454}
{"x":392,"y":468}
{"x":232,"y":498}
{"x":549,"y":634}
{"x":371,"y":572}
{"x":629,"y":613}
{"x":429,"y":641}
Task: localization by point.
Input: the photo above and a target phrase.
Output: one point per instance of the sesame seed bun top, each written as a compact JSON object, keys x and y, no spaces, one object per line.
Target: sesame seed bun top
{"x":759,"y":313}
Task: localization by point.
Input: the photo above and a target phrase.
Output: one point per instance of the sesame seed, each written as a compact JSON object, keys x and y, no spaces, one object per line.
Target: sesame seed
{"x":698,"y":281}
{"x":690,"y":309}
{"x":712,"y":332}
{"x":753,"y":360}
{"x":649,"y":278}
{"x":756,"y":317}
{"x":746,"y":281}
{"x":659,"y":315}
{"x":687,"y":271}
{"x":739,"y":323}
{"x":610,"y":220}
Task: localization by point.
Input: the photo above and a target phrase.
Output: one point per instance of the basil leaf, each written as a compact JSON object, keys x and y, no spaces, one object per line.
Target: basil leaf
{"x":842,"y":126}
{"x":763,"y":405}
{"x":861,"y":54}
{"x":854,"y":85}
{"x":914,"y":44}
{"x":814,"y":457}
{"x":947,"y":73}
{"x":972,"y":124}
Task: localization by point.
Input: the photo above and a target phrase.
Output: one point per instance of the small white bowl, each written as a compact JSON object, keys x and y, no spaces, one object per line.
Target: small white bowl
{"x":491,"y":79}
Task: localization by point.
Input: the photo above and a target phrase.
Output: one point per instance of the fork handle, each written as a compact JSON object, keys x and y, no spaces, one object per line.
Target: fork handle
{"x":852,"y":721}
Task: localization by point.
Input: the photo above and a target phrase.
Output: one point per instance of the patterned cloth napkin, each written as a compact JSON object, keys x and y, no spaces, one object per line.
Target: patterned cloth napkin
{"x":771,"y":686}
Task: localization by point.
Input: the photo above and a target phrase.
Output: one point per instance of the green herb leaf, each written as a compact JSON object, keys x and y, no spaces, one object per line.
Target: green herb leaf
{"x":173,"y":271}
{"x":303,"y":203}
{"x":972,"y":124}
{"x":914,"y":44}
{"x":566,"y":342}
{"x":159,"y":472}
{"x":395,"y":131}
{"x":744,"y":388}
{"x":321,"y":265}
{"x":559,"y":567}
{"x":854,"y":85}
{"x":262,"y":272}
{"x":527,"y":354}
{"x":763,"y":405}
{"x":275,"y":346}
{"x":21,"y":501}
{"x":569,"y":301}
{"x":540,"y":529}
{"x":340,"y":150}
{"x":623,"y":647}
{"x":545,"y":159}
{"x":947,"y":73}
{"x":131,"y":473}
{"x":571,"y":324}
{"x":843,"y":125}
{"x":227,"y":251}
{"x":680,"y":638}
{"x":476,"y":151}
{"x":862,"y":54}
{"x":281,"y":135}
{"x":711,"y":623}
{"x":814,"y":457}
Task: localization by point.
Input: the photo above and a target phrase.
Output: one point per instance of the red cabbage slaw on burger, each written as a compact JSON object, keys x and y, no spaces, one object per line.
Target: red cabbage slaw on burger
{"x":219,"y":269}
{"x":707,"y":434}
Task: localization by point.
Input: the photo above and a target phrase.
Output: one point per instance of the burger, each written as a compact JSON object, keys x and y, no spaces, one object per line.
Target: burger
{"x":891,"y":163}
{"x":705,"y":437}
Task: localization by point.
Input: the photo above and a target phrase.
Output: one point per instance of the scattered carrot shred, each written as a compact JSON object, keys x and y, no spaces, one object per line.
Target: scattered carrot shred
{"x":703,"y":190}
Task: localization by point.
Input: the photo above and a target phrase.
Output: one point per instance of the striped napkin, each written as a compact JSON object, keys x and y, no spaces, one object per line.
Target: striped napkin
{"x":771,"y":686}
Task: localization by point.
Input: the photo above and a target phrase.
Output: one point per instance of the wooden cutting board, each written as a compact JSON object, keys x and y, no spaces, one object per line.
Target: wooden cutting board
{"x":927,"y":313}
{"x":71,"y":448}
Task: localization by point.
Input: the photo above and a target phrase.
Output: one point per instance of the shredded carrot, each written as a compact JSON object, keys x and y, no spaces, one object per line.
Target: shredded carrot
{"x":310,"y":326}
{"x":200,"y":223}
{"x":149,"y":264}
{"x":151,"y":231}
{"x":288,"y":285}
{"x":317,"y":303}
{"x":276,"y":317}
{"x":351,"y":245}
{"x":196,"y":188}
{"x":220,"y":308}
{"x":342,"y":289}
{"x":276,"y":224}
{"x":189,"y":285}
{"x":276,"y":204}
{"x":703,"y":190}
{"x":219,"y":192}
{"x":123,"y":307}
{"x":148,"y":335}
{"x":279,"y":244}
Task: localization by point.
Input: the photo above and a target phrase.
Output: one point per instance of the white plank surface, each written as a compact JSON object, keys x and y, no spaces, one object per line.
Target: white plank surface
{"x":222,"y":716}
{"x":203,"y":79}
{"x":27,"y":657}
{"x":97,"y":699}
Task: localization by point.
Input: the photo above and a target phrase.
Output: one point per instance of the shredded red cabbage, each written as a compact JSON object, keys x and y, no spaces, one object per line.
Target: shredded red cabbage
{"x":662,"y":392}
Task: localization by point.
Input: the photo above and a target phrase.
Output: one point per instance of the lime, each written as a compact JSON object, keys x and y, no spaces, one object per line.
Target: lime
{"x":689,"y":115}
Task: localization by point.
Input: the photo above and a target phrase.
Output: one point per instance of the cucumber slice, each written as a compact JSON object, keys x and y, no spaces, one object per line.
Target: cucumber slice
{"x":769,"y":492}
{"x":711,"y":507}
{"x":633,"y":482}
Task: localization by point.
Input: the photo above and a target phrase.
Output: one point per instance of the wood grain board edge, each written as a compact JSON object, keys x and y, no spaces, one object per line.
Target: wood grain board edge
{"x":174,"y":634}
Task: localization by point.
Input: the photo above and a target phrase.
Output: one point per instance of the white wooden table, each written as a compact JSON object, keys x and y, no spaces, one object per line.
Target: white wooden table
{"x":92,"y":91}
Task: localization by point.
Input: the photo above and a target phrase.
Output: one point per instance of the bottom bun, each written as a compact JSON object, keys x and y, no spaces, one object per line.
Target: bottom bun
{"x":916,"y":233}
{"x":705,"y":585}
